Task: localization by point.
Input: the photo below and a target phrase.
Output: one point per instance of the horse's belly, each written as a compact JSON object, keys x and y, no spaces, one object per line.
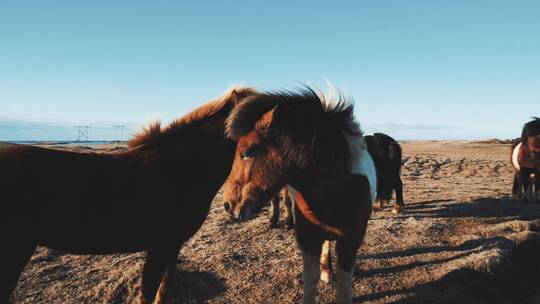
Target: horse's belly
{"x":85,"y":238}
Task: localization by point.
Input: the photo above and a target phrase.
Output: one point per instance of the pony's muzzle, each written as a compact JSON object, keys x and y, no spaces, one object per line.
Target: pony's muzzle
{"x":244,"y":212}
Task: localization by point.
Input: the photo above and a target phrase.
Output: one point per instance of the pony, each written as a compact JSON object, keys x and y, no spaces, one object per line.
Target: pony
{"x":525,"y":158}
{"x":312,"y":143}
{"x":386,"y":153}
{"x":152,"y":197}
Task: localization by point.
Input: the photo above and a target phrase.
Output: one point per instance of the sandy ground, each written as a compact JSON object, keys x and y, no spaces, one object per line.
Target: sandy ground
{"x":461,"y":239}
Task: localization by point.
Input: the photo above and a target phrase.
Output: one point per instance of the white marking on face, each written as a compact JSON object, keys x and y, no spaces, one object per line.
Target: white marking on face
{"x":515,"y":154}
{"x":362,"y":163}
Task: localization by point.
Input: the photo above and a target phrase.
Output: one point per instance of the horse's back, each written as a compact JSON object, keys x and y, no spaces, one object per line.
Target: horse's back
{"x":384,"y":149}
{"x":64,"y":198}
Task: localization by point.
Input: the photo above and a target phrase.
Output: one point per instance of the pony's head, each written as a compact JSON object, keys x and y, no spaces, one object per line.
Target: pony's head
{"x":530,"y":138}
{"x":281,"y":135}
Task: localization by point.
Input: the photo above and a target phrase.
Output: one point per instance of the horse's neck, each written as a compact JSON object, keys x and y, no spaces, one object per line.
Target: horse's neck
{"x":210,"y":151}
{"x":313,"y":197}
{"x":319,"y":187}
{"x":203,"y":153}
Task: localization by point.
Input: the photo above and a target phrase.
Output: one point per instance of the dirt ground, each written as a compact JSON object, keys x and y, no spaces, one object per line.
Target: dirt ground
{"x":461,"y":239}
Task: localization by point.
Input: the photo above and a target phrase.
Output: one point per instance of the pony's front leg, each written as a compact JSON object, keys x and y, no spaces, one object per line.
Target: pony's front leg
{"x":537,"y":186}
{"x":157,"y":275}
{"x":516,"y":187}
{"x":289,"y":205}
{"x":531,"y":190}
{"x":326,"y":262}
{"x":524,"y":182}
{"x":346,"y":254}
{"x":311,"y":254}
{"x":275,"y":211}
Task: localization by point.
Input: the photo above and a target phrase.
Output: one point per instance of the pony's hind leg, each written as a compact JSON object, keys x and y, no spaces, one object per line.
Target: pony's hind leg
{"x":275,"y":211}
{"x":398,"y":187}
{"x":158,"y":272}
{"x":13,"y":258}
{"x":326,"y":262}
{"x":516,"y":188}
{"x":289,"y":220}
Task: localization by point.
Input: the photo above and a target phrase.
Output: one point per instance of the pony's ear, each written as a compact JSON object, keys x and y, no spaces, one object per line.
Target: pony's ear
{"x":245,"y":115}
{"x":233,"y":97}
{"x":237,"y":93}
{"x":264,"y":125}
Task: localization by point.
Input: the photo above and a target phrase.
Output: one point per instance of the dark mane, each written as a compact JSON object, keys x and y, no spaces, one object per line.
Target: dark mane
{"x":154,"y":133}
{"x":307,"y":126}
{"x":532,"y":128}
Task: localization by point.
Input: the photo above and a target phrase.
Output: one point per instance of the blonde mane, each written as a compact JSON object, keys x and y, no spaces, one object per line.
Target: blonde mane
{"x":154,"y":132}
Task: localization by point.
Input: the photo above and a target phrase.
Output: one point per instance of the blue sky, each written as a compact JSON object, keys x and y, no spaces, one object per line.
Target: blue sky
{"x":416,"y":69}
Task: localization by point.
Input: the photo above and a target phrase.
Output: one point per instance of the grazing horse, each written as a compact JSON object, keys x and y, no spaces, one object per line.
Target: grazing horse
{"x":525,"y":158}
{"x":152,"y":198}
{"x":386,"y":154}
{"x":312,"y":143}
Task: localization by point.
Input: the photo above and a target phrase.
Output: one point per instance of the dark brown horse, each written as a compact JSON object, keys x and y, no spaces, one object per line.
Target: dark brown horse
{"x":151,"y":198}
{"x":386,"y":154}
{"x":525,"y":158}
{"x":313,"y":144}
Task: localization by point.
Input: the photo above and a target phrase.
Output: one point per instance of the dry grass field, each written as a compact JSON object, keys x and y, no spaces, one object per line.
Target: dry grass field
{"x":461,"y":239}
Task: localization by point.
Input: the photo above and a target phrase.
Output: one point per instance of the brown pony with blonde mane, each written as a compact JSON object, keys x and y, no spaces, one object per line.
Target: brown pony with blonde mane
{"x":152,"y":198}
{"x":312,"y":143}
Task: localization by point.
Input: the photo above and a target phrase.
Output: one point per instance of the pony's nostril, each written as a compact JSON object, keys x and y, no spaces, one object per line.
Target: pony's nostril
{"x":244,"y":213}
{"x":227,"y":206}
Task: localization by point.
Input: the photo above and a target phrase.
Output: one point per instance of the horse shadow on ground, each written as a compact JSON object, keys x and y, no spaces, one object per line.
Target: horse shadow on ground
{"x":515,"y":280}
{"x":188,"y":287}
{"x":485,"y":207}
{"x":193,"y":287}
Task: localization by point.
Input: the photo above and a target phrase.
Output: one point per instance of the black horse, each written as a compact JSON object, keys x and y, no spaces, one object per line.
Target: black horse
{"x":386,"y":153}
{"x":525,"y":158}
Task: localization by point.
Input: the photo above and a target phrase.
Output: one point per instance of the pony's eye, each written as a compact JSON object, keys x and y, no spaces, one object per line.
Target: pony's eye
{"x":253,"y":151}
{"x":245,"y":155}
